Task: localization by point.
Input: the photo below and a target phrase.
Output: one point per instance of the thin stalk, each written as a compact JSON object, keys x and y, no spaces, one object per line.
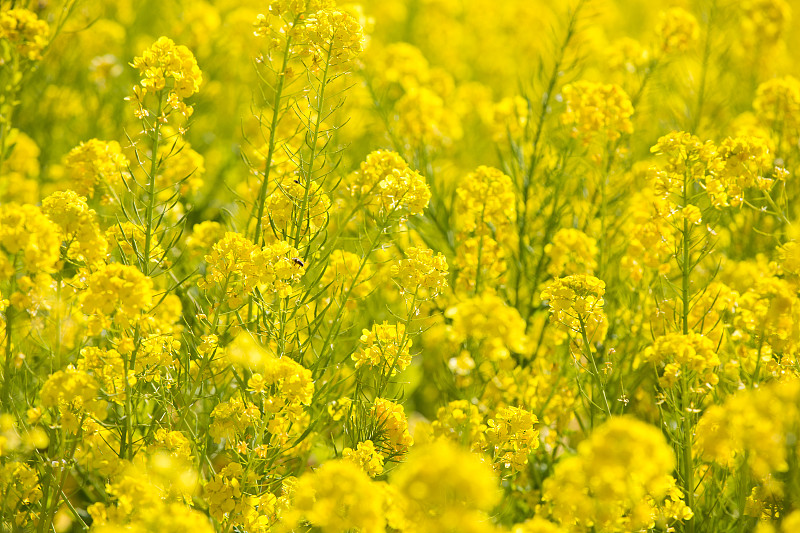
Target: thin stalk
{"x":8,"y":365}
{"x":151,"y":192}
{"x":591,"y":358}
{"x":276,"y":106}
{"x":522,"y":214}
{"x":686,"y":421}
{"x":314,"y":140}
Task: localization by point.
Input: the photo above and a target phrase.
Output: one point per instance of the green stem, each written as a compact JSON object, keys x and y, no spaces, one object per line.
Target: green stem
{"x":309,"y":174}
{"x":8,"y":363}
{"x":686,"y":419}
{"x":151,"y":192}
{"x":276,"y":107}
{"x":590,"y":356}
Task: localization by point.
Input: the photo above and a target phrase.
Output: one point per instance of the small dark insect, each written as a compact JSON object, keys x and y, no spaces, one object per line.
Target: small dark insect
{"x":298,"y":262}
{"x":297,"y":182}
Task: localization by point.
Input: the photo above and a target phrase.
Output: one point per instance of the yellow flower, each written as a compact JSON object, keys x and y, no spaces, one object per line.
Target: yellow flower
{"x":339,"y":497}
{"x":165,"y":62}
{"x":334,"y":37}
{"x":117,"y":291}
{"x":575,"y":300}
{"x":237,"y":264}
{"x":485,"y":202}
{"x":25,"y":32}
{"x":393,"y":425}
{"x":386,"y":347}
{"x":79,"y":227}
{"x":232,"y":419}
{"x":385,"y":180}
{"x":425,"y":120}
{"x":571,"y":252}
{"x":366,"y":456}
{"x":777,"y":105}
{"x":677,"y":30}
{"x":597,"y":110}
{"x":616,"y":481}
{"x":25,"y":232}
{"x":445,"y":488}
{"x":421,"y":273}
{"x":512,"y":435}
{"x":95,"y":163}
{"x":693,"y":353}
{"x":753,"y":428}
{"x":74,"y":393}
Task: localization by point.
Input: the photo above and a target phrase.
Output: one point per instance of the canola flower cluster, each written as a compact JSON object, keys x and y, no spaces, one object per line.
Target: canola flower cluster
{"x":391,"y":266}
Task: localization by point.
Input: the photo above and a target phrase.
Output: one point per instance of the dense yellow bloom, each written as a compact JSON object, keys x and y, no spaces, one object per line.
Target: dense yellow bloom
{"x":571,"y":252}
{"x":283,"y":205}
{"x":403,"y":64}
{"x":678,"y":30}
{"x":652,"y":235}
{"x":174,"y":443}
{"x":116,"y":292}
{"x":446,"y":488}
{"x":203,"y":236}
{"x":512,"y":436}
{"x":421,"y":273}
{"x":386,"y":347}
{"x":25,"y":32}
{"x":385,"y":180}
{"x":339,"y":497}
{"x":356,"y":288}
{"x":147,"y":496}
{"x":180,"y":166}
{"x":507,"y":117}
{"x":80,"y":230}
{"x":425,"y":120}
{"x":745,"y":162}
{"x":687,"y":160}
{"x":756,"y":427}
{"x":334,"y":37}
{"x":298,"y":7}
{"x":108,"y":368}
{"x":229,"y":504}
{"x":461,"y":422}
{"x":94,"y":163}
{"x":768,"y":314}
{"x":165,"y":62}
{"x":486,"y":319}
{"x":486,"y":202}
{"x":74,"y":393}
{"x":765,"y":20}
{"x":616,"y":480}
{"x":19,"y":486}
{"x":232,"y":419}
{"x":777,"y":105}
{"x":129,"y":238}
{"x":239,"y":266}
{"x":597,"y":109}
{"x":27,"y":236}
{"x":479,"y":259}
{"x":292,"y":381}
{"x":393,"y":425}
{"x":693,"y":354}
{"x":576,"y":302}
{"x":366,"y":456}
{"x":345,"y":272}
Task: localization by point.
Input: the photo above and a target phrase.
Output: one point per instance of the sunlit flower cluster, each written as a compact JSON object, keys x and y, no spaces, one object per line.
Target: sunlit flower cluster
{"x":390,"y":266}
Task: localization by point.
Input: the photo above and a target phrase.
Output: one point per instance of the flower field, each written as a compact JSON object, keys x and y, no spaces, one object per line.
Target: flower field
{"x":401,"y":266}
